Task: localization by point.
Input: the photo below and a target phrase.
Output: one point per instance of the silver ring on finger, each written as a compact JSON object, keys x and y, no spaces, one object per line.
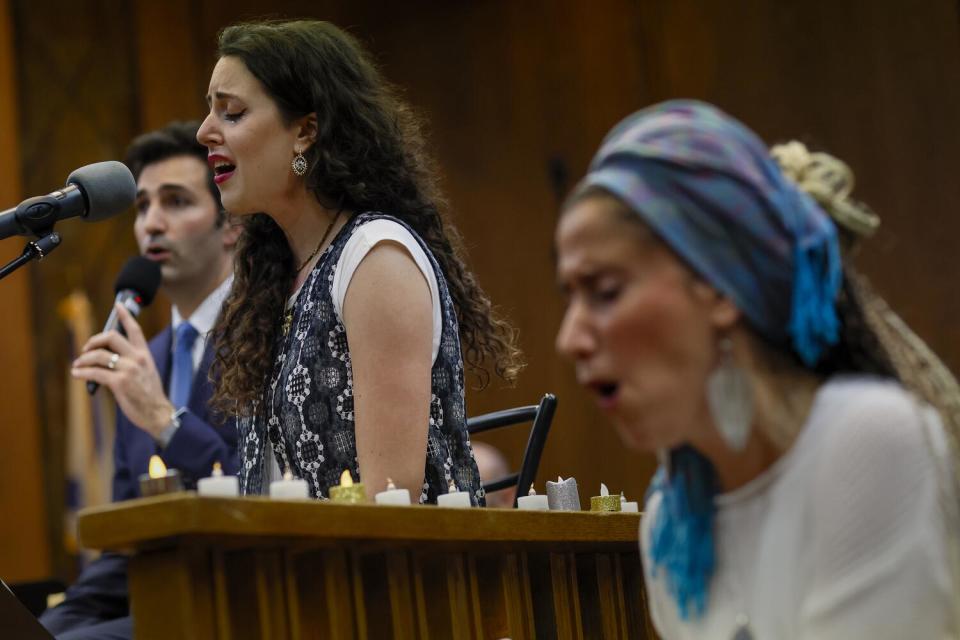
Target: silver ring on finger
{"x":114,"y":359}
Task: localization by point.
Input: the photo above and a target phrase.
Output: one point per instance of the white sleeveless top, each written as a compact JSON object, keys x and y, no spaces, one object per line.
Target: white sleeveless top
{"x":363,"y":240}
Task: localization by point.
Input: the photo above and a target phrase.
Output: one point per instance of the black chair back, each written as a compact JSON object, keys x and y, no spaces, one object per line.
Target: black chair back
{"x":541,"y":417}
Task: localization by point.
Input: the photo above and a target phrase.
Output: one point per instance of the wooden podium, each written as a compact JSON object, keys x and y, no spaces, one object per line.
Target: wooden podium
{"x":218,"y":568}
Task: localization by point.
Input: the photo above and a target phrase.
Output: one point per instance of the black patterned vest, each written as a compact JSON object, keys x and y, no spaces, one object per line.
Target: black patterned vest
{"x":306,"y":413}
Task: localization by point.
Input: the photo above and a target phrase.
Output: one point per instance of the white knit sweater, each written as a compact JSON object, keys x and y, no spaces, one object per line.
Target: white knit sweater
{"x":844,"y":537}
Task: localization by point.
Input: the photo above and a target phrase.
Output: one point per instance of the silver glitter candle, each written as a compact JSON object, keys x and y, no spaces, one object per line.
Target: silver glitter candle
{"x":563,"y":495}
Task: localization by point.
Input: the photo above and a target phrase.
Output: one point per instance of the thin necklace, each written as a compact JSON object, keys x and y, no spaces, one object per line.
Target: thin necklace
{"x":288,"y":314}
{"x":322,"y":240}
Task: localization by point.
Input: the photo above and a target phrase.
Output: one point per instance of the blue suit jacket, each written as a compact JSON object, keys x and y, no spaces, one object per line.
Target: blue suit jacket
{"x":202,"y":439}
{"x":100,"y":593}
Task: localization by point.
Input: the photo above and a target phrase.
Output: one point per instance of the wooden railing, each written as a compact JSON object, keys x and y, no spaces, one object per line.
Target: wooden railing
{"x":222,"y":568}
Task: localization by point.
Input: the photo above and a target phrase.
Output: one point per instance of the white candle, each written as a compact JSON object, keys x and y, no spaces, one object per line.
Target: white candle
{"x":393,"y":495}
{"x":218,"y":484}
{"x":454,"y":498}
{"x":628,"y":507}
{"x":533,"y":502}
{"x":289,"y":488}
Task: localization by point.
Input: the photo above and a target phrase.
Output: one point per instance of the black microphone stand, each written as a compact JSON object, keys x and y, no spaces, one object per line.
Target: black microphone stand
{"x":33,"y":217}
{"x":34,"y":250}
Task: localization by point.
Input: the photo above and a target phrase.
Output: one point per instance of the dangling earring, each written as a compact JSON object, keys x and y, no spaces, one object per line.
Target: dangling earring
{"x":730,"y":398}
{"x":299,"y":165}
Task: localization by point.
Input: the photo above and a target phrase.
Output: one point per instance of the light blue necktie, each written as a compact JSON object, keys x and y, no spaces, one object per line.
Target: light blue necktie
{"x":182,"y":375}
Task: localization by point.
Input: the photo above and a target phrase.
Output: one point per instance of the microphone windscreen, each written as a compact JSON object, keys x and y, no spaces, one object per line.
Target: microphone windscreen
{"x":141,"y":275}
{"x":108,"y":187}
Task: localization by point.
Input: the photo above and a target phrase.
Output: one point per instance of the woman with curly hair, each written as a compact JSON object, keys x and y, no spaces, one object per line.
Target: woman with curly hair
{"x":339,"y":347}
{"x":802,"y":492}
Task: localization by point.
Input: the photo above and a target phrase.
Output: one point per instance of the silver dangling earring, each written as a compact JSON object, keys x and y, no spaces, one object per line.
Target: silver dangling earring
{"x":730,"y":398}
{"x":299,"y":165}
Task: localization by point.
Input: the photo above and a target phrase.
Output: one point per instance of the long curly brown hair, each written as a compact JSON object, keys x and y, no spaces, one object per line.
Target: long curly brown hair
{"x":369,"y":155}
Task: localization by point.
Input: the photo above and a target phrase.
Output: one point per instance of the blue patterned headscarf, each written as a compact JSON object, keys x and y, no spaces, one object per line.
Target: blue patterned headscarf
{"x":707,"y":186}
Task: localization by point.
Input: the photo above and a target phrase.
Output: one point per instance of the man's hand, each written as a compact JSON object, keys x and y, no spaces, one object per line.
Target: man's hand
{"x":133,"y":378}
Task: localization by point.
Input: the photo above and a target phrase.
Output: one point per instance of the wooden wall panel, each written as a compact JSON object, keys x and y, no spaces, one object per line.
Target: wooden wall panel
{"x":168,"y":60}
{"x":518,"y":95}
{"x":78,"y":105}
{"x":877,"y":84}
{"x":24,"y":545}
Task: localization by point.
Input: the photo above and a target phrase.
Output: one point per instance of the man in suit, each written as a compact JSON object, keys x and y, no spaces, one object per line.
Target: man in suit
{"x":162,"y":387}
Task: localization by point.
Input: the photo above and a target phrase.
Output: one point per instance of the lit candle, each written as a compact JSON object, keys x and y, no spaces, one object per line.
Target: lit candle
{"x":348,"y":492}
{"x":159,"y":479}
{"x":563,"y":495}
{"x":628,"y":507}
{"x":218,"y":484}
{"x":605,"y":501}
{"x":533,"y":502}
{"x":289,"y":488}
{"x":392,"y":495}
{"x":453,"y":497}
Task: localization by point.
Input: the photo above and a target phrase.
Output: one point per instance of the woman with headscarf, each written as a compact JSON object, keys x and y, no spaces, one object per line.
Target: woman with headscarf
{"x":801,"y":488}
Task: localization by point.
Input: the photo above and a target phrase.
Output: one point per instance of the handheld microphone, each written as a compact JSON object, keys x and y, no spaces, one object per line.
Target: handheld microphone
{"x":136,"y":287}
{"x":94,"y":192}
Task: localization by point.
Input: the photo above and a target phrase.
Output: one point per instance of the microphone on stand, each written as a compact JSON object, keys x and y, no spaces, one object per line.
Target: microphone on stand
{"x":136,"y":287}
{"x":94,"y":192}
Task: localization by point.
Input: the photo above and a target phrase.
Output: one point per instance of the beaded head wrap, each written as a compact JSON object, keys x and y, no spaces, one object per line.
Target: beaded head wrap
{"x":707,"y":186}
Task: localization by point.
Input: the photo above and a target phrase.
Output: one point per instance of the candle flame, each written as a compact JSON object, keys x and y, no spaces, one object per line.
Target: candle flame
{"x":560,"y":479}
{"x":157,"y":469}
{"x":217,"y":470}
{"x":390,"y":485}
{"x":603,"y":490}
{"x":288,"y":475}
{"x":532,"y":491}
{"x":346,"y":480}
{"x":451,"y":486}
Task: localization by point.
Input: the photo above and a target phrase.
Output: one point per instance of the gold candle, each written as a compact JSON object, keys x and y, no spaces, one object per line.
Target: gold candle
{"x":348,"y":492}
{"x":159,"y":479}
{"x":605,"y":501}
